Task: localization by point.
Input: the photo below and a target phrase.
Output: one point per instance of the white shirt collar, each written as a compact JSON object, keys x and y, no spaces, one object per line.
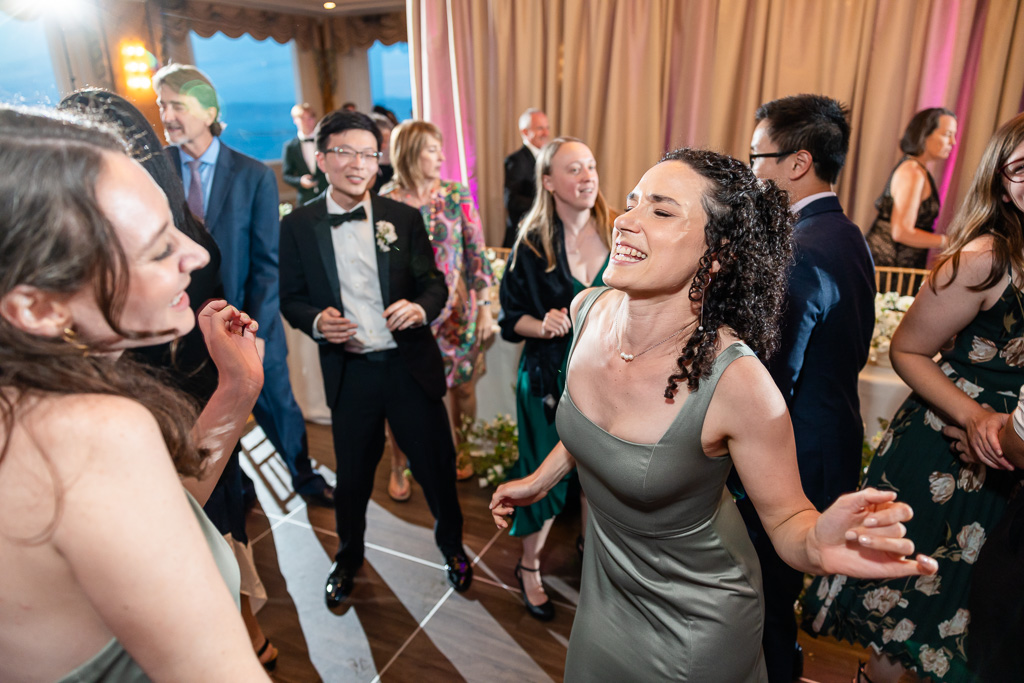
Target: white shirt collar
{"x":335,"y":207}
{"x":797,"y":207}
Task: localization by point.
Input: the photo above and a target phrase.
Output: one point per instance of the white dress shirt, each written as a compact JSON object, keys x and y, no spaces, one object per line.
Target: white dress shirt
{"x":309,"y":154}
{"x":355,"y":255}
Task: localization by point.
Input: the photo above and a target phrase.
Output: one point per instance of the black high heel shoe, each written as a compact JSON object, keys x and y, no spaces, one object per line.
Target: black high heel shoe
{"x":862,"y":676}
{"x":544,"y":611}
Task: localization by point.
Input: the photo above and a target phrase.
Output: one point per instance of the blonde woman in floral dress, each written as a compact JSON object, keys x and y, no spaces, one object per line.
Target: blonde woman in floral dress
{"x":974,"y":296}
{"x":453,"y":224}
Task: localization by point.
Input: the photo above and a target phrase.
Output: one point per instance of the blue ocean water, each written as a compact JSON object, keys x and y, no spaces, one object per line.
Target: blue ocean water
{"x":258,"y":129}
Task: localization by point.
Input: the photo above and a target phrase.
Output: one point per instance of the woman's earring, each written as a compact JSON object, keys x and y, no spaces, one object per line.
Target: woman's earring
{"x":71,"y":337}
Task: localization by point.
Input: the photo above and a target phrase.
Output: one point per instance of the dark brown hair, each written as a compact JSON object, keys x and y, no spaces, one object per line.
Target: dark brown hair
{"x":984,"y":212}
{"x":748,"y":232}
{"x":920,"y":127}
{"x":55,"y":238}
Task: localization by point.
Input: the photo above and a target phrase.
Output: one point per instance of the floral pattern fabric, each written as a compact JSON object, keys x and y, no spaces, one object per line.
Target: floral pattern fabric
{"x":923,"y":622}
{"x":454,"y":227}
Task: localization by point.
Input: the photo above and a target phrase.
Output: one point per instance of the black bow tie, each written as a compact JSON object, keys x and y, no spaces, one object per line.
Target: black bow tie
{"x":308,"y":139}
{"x":359,"y":214}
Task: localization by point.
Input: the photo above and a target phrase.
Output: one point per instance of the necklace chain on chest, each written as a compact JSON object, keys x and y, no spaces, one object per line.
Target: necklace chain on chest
{"x":630,"y":357}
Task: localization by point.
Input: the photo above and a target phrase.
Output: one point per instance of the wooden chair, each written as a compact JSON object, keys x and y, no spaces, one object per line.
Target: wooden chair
{"x":906,"y":281}
{"x":500,"y":252}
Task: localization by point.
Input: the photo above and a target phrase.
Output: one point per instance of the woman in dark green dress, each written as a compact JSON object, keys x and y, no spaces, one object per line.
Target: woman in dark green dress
{"x":974,"y":295}
{"x":562,"y":248}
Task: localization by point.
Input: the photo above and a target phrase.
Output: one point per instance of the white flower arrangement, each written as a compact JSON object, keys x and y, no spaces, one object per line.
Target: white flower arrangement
{"x":497,"y":265}
{"x":491,"y":447}
{"x":283,"y":209}
{"x":386,"y":235}
{"x":889,"y":310}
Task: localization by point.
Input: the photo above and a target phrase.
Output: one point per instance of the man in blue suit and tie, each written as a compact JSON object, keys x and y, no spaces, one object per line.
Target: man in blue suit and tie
{"x":236,"y":198}
{"x":801,"y":142}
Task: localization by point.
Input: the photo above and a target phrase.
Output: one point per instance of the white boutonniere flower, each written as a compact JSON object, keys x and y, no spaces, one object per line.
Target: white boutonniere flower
{"x":386,"y":235}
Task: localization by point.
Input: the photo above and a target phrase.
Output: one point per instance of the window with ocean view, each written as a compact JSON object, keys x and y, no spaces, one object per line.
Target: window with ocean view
{"x":390,"y":83}
{"x":256,"y":85}
{"x":26,"y":73}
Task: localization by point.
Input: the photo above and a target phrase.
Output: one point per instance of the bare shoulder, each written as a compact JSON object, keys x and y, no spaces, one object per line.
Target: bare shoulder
{"x":974,"y":266}
{"x":574,"y":307}
{"x":744,"y":399}
{"x":910,"y":171}
{"x":89,"y":429}
{"x":746,"y":383}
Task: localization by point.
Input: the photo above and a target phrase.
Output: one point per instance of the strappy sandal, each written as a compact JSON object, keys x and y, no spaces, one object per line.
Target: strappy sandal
{"x":862,"y":677}
{"x":400,"y":495}
{"x":269,"y":664}
{"x":544,"y":611}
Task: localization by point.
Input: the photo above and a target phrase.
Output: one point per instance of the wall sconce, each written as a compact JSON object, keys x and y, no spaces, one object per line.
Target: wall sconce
{"x":138,"y":64}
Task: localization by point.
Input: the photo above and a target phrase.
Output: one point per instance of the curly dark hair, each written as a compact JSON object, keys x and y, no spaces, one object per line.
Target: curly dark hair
{"x":748,"y":231}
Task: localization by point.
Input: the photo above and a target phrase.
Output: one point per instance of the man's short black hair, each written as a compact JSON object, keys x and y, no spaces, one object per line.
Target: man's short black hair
{"x":814,"y":123}
{"x":339,"y":121}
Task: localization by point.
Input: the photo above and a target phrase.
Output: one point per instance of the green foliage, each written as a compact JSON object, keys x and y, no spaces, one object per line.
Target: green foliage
{"x":492,"y":447}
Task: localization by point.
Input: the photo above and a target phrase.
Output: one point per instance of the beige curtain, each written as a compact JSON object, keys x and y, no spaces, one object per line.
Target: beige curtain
{"x":634,"y":78}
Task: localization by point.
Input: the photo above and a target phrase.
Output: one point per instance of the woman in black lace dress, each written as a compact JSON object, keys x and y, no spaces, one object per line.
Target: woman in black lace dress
{"x":903,"y":231}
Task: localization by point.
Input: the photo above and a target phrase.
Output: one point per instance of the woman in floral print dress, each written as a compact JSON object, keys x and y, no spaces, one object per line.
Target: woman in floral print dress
{"x":453,"y":224}
{"x":974,"y":295}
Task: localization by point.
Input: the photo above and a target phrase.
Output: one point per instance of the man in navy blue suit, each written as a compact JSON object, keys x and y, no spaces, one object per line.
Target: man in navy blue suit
{"x":801,"y":142}
{"x":236,"y":198}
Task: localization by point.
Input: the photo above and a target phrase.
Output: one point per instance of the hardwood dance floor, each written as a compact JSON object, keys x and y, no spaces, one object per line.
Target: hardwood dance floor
{"x":403,"y":622}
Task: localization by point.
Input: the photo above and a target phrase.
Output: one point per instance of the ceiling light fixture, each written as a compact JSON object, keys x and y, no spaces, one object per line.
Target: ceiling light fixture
{"x":330,"y":5}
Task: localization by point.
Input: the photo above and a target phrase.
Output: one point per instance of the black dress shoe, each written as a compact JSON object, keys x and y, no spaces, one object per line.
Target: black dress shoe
{"x":339,"y":585}
{"x":323,"y":498}
{"x":459,"y":570}
{"x":544,"y":611}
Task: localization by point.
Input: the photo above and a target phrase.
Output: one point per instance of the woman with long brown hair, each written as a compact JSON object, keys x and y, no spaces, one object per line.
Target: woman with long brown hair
{"x":561,"y":249}
{"x":103,"y":467}
{"x":975,"y":295}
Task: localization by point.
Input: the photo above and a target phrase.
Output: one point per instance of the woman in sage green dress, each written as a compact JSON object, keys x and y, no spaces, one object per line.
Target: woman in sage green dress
{"x":664,"y":395}
{"x":561,"y":249}
{"x":111,"y":570}
{"x":974,"y":296}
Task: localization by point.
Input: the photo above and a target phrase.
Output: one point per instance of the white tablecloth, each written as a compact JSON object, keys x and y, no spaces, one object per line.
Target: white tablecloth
{"x":881,"y":393}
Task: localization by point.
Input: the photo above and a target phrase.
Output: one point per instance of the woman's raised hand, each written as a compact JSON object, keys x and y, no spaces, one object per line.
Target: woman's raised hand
{"x":862,"y":535}
{"x":230,"y":336}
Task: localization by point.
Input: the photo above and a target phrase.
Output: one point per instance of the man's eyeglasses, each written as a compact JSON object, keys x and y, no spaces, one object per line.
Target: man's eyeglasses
{"x":1014,"y":171}
{"x":771,"y":155}
{"x":348,"y":154}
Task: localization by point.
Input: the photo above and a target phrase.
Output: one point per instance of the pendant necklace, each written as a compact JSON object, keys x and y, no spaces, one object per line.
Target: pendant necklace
{"x":629,"y":357}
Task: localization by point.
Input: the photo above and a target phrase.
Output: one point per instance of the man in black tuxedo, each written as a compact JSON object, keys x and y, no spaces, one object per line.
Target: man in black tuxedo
{"x":520,"y":182}
{"x":298,"y":167}
{"x":358,"y":276}
{"x":801,"y":142}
